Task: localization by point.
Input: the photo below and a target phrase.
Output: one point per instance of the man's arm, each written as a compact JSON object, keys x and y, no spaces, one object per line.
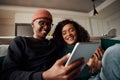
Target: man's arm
{"x":60,"y":72}
{"x":14,"y":63}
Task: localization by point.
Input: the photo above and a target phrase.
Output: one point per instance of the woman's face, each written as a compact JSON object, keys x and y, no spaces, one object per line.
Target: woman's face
{"x":69,"y":34}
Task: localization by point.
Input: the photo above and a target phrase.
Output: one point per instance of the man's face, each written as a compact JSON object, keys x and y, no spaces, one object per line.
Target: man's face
{"x":41,"y":28}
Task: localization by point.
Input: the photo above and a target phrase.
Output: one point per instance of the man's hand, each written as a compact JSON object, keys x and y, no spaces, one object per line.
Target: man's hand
{"x":59,"y":72}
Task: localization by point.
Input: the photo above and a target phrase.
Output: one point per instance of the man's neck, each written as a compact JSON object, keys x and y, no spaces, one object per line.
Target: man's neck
{"x":40,"y":38}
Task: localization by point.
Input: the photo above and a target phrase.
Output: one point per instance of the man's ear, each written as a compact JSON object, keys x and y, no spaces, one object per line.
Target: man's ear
{"x":32,"y":24}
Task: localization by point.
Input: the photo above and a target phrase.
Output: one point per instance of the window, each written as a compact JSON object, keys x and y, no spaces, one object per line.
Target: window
{"x":23,"y":29}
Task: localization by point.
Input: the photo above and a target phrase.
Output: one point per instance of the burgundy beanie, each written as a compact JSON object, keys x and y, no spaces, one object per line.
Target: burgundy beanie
{"x":42,"y":14}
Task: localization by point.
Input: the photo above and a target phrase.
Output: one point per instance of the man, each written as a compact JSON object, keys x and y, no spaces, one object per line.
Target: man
{"x":34,"y":58}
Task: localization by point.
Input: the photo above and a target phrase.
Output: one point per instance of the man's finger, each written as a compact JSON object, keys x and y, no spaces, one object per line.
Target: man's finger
{"x":63,"y":59}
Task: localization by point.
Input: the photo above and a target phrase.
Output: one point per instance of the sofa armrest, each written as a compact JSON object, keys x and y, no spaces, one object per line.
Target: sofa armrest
{"x":3,"y":50}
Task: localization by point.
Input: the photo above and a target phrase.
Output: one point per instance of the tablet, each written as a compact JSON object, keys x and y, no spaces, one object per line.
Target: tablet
{"x":85,"y":50}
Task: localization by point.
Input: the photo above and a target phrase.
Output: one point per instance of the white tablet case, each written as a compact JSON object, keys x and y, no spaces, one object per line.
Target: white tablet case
{"x":85,"y":50}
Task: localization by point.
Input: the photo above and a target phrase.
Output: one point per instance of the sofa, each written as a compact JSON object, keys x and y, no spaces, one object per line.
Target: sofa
{"x":3,"y":52}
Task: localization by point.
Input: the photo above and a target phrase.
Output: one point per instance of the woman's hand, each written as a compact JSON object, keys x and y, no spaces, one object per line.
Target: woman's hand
{"x":99,"y":53}
{"x":59,"y":72}
{"x":94,"y":62}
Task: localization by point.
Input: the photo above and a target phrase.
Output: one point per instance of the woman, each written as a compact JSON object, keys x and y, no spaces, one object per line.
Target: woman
{"x":66,"y":35}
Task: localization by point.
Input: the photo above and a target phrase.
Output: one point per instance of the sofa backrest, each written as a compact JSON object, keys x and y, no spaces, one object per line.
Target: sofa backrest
{"x":3,"y":50}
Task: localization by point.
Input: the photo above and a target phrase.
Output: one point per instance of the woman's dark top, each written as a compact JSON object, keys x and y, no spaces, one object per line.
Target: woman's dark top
{"x":27,"y":58}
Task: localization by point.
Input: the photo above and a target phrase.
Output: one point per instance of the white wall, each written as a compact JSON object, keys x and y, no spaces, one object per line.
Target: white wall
{"x":24,"y":15}
{"x":102,"y":26}
{"x":112,"y":21}
{"x":96,"y":27}
{"x":58,"y":15}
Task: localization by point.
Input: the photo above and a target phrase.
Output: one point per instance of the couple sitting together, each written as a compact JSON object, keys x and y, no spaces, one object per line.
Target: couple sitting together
{"x":36,"y":58}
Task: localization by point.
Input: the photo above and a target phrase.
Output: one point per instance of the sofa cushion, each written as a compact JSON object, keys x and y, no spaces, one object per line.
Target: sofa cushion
{"x":3,"y":50}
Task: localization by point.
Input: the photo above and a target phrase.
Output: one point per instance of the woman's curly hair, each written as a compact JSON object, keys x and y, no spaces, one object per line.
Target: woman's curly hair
{"x":82,"y":34}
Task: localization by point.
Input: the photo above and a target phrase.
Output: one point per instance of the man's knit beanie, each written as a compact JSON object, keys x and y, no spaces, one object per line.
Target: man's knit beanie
{"x":42,"y":14}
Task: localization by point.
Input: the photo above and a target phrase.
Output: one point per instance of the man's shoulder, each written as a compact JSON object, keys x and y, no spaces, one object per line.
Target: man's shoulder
{"x":19,"y":39}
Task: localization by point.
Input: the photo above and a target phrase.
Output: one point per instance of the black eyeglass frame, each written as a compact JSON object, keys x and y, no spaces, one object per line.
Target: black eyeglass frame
{"x":43,"y":23}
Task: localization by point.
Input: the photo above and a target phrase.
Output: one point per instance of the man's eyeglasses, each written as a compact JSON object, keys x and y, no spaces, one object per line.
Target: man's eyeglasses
{"x":43,"y":23}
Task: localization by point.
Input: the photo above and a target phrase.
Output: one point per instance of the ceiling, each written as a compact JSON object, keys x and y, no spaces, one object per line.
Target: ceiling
{"x":108,"y":7}
{"x":72,"y":5}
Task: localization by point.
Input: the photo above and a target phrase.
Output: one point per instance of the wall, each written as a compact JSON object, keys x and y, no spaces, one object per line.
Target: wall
{"x":96,"y":27}
{"x":7,"y":20}
{"x":24,"y":15}
{"x":58,"y":15}
{"x":112,"y":21}
{"x":100,"y":27}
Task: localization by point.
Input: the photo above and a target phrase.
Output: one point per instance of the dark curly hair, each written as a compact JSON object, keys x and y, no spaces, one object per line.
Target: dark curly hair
{"x":82,"y":34}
